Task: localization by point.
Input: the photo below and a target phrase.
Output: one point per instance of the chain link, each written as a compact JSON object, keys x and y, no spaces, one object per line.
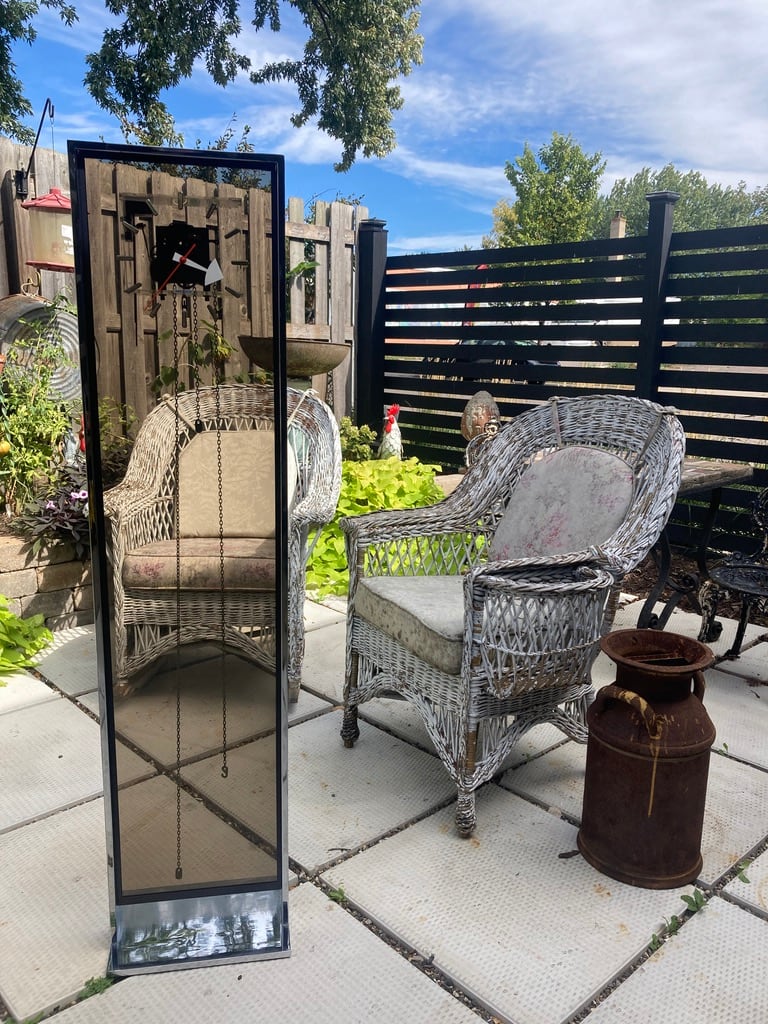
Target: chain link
{"x":177,"y":535}
{"x":224,"y":766}
{"x":195,"y":364}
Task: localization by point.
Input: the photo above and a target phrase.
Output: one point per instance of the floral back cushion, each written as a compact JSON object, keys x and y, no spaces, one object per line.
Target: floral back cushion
{"x":566,"y":500}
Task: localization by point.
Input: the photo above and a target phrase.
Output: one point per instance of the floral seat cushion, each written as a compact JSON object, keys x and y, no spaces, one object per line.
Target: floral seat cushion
{"x":567,"y":500}
{"x":249,"y":564}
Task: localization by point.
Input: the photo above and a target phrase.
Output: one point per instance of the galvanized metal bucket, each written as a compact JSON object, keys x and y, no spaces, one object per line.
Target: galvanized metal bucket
{"x":647,"y":761}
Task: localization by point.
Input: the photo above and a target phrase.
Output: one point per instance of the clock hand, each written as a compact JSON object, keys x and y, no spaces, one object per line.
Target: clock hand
{"x":156,"y":294}
{"x":212,"y":271}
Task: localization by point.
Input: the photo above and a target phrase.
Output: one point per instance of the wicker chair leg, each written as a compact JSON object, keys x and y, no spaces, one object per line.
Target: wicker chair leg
{"x":465,"y":808}
{"x":349,"y":728}
{"x":465,"y":813}
{"x":294,"y":686}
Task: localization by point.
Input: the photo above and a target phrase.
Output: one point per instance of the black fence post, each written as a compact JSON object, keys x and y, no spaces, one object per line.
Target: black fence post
{"x":660,"y":217}
{"x":369,"y":368}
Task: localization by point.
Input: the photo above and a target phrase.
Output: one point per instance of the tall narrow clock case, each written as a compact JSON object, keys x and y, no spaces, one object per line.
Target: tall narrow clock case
{"x":178,"y":253}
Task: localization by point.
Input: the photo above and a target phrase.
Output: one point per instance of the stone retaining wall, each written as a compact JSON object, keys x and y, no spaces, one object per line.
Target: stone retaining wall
{"x":53,"y":583}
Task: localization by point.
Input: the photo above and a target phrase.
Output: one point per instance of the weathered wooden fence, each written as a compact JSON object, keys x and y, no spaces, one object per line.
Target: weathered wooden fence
{"x":676,"y":317}
{"x":135,"y":345}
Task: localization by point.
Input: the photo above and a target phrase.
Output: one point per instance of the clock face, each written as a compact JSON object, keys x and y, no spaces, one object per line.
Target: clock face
{"x":182,"y":256}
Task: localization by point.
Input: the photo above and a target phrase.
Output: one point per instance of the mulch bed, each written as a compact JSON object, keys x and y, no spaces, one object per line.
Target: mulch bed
{"x":642,"y":579}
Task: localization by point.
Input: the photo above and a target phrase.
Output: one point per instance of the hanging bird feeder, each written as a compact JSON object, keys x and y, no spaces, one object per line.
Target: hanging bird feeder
{"x":50,"y":223}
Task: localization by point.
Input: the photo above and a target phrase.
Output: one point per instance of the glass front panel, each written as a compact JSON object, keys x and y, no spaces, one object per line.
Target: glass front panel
{"x":185,"y":437}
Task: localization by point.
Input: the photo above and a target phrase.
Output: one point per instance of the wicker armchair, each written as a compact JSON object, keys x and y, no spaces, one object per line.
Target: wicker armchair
{"x":485,"y":611}
{"x":149,"y":567}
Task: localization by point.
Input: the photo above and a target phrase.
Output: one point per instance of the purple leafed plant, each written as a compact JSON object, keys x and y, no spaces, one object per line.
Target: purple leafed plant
{"x":60,"y":515}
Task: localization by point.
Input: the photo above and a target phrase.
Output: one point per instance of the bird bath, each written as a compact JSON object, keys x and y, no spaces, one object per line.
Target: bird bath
{"x":303,"y":358}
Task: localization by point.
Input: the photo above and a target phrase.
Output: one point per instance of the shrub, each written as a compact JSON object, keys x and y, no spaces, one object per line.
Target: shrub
{"x":33,"y":421}
{"x":356,"y":442}
{"x":367,"y":487}
{"x":20,"y":639}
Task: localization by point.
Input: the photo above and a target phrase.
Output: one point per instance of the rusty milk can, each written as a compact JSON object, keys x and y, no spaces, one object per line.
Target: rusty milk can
{"x":647,"y":761}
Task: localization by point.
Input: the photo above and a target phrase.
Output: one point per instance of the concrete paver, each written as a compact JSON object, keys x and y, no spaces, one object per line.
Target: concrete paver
{"x":752,"y":665}
{"x":51,"y":759}
{"x":70,"y":661}
{"x":492,"y":910}
{"x":516,"y":921}
{"x":338,"y":799}
{"x":20,"y":690}
{"x":712,"y":970}
{"x":735,"y":816}
{"x":147,"y":717}
{"x":752,"y":893}
{"x":54,"y":909}
{"x":307,"y":706}
{"x":339,"y":972}
{"x":739,"y":712}
{"x":211,"y":851}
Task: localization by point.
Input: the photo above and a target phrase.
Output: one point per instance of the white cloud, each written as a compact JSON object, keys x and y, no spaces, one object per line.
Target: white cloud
{"x":453,"y":174}
{"x":649,"y":82}
{"x":448,"y":242}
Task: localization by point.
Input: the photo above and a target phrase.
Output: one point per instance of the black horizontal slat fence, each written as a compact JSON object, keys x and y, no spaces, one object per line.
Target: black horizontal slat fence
{"x":680,"y":318}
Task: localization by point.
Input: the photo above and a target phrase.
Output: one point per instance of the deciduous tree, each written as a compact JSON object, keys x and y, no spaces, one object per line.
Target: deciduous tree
{"x":16,"y":17}
{"x":555,"y":191}
{"x":702,"y":205}
{"x":345,"y":77}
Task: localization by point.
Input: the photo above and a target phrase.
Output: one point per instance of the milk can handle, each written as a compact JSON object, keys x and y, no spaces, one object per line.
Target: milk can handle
{"x":698,"y":685}
{"x":613,"y":692}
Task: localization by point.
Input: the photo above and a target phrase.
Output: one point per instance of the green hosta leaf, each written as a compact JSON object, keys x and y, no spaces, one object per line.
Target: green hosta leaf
{"x":368,"y":486}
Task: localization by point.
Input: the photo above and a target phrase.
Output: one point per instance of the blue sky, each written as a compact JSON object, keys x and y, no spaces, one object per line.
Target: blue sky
{"x":646,"y":82}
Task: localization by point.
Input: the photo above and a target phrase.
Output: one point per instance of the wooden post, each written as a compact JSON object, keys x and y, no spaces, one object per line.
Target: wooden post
{"x":369,"y":369}
{"x":651,"y":332}
{"x":10,"y":281}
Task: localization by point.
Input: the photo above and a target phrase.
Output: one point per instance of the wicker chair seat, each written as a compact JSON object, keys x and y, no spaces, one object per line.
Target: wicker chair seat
{"x":424,"y":613}
{"x":248,"y":563}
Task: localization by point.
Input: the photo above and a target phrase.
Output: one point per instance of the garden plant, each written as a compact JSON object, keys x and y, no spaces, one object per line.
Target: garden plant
{"x":367,"y":486}
{"x":33,"y":420}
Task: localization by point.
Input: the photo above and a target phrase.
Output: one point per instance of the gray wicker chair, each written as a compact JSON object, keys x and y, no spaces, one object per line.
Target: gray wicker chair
{"x":148,"y":566}
{"x":485,"y":611}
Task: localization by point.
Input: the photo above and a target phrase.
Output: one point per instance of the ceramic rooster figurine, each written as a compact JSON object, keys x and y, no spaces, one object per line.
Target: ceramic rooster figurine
{"x":391,"y":442}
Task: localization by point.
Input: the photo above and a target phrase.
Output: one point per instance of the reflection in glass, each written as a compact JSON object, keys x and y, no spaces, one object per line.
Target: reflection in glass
{"x":181,"y":260}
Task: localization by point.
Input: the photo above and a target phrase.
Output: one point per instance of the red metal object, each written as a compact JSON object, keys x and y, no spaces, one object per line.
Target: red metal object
{"x":647,"y":761}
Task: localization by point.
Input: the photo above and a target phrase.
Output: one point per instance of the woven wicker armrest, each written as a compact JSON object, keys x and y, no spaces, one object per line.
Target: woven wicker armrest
{"x":316,"y":509}
{"x":540,"y":621}
{"x":123,"y":502}
{"x":387,"y":525}
{"x":516,"y":568}
{"x":134,"y":520}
